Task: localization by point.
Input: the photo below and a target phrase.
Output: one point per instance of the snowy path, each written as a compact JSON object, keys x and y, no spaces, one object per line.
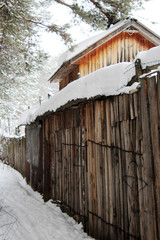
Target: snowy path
{"x":25,"y":216}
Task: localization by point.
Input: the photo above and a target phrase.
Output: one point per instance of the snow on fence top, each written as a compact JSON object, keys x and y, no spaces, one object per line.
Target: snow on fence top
{"x":107,"y":81}
{"x":150,"y":57}
{"x":103,"y":82}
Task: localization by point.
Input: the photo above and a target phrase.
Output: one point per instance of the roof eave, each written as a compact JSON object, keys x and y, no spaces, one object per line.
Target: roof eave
{"x":69,"y":65}
{"x":57,"y":77}
{"x":147,"y":33}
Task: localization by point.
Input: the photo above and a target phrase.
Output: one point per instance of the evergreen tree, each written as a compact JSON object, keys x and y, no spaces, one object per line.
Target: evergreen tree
{"x":18,"y":49}
{"x":20,"y":19}
{"x":20,"y":53}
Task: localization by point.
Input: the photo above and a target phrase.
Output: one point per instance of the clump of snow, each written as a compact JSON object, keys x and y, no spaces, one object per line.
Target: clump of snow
{"x":152,"y":73}
{"x":150,"y":57}
{"x":25,"y":216}
{"x":103,"y":82}
{"x":128,"y":89}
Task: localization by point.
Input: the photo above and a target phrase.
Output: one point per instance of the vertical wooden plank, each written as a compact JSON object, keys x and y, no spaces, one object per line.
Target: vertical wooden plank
{"x":140,"y":162}
{"x":72,"y":169}
{"x":77,"y":163}
{"x":133,"y":184}
{"x":89,"y":63}
{"x":91,"y":182}
{"x":121,"y":107}
{"x":135,"y":103}
{"x":105,"y":54}
{"x":61,"y":147}
{"x":149,"y":213}
{"x":116,"y":108}
{"x":122,"y":48}
{"x":86,"y":67}
{"x":115,"y":49}
{"x":118,"y":186}
{"x":81,"y":68}
{"x":93,"y":54}
{"x":80,"y":168}
{"x":134,"y":49}
{"x":101,"y":64}
{"x":113,"y":169}
{"x":99,"y":136}
{"x":127,"y":46}
{"x":131,"y":106}
{"x":97,"y":59}
{"x":67,"y":167}
{"x":124,"y":186}
{"x":110,"y":122}
{"x":128,"y":178}
{"x":106,"y":170}
{"x":84,"y":176}
{"x":109,"y":53}
{"x":57,"y":163}
{"x":118,"y":48}
{"x":154,"y":123}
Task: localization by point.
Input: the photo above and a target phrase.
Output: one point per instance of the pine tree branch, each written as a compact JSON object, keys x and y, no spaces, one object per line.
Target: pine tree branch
{"x":61,"y":31}
{"x":108,"y":14}
{"x":35,"y":22}
{"x":1,"y":6}
{"x":97,"y":5}
{"x":63,"y":3}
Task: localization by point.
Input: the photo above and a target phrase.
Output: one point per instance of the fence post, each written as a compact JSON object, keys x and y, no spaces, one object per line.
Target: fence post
{"x":138,"y":68}
{"x":147,"y":208}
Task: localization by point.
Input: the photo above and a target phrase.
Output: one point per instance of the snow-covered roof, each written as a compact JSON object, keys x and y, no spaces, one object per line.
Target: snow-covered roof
{"x":107,"y":81}
{"x":70,"y":56}
{"x":103,"y":82}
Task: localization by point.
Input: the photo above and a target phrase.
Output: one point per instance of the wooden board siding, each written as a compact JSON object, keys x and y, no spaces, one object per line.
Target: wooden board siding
{"x":122,"y":48}
{"x":69,"y":78}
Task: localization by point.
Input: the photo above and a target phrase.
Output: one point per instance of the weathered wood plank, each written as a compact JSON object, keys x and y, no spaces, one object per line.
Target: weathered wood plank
{"x":90,"y":136}
{"x":154,"y":123}
{"x":149,"y":211}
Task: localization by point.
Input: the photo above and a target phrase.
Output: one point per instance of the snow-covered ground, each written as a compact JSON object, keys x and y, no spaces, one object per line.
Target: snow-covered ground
{"x":25,"y":216}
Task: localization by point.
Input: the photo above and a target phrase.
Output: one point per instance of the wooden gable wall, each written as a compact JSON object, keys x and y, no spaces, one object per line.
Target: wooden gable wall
{"x":122,"y":48}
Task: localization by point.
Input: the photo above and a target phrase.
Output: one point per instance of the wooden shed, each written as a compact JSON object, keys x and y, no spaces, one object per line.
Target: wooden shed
{"x":120,"y":43}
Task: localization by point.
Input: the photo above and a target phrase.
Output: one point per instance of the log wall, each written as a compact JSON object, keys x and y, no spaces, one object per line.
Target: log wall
{"x":100,"y":161}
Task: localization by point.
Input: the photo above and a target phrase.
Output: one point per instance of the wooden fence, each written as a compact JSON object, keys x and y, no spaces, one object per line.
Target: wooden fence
{"x":100,"y":160}
{"x":14,"y":153}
